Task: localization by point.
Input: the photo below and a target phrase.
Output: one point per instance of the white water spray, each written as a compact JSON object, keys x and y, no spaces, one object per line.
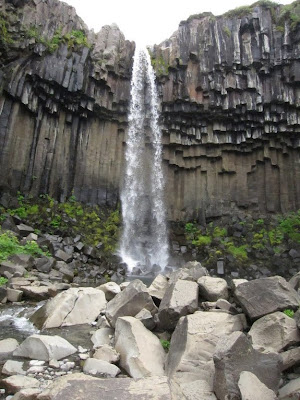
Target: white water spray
{"x":144,"y":240}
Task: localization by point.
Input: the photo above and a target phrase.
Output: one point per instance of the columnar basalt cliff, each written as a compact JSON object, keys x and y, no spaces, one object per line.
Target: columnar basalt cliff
{"x":230,"y":91}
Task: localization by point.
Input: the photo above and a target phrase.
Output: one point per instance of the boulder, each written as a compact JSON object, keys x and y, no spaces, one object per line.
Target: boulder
{"x":212,"y":289}
{"x":12,"y":367}
{"x":237,"y":282}
{"x":234,"y":354}
{"x":25,"y":230}
{"x":62,"y":256}
{"x":129,"y":302}
{"x":102,"y":336}
{"x":110,"y":289}
{"x":7,"y":347}
{"x":73,"y":387}
{"x":72,"y":307}
{"x":194,"y":390}
{"x":181,"y":298}
{"x":252,"y":388}
{"x":295,"y":281}
{"x":141,"y":353}
{"x":274,"y":332}
{"x":290,"y":358}
{"x":27,"y":394}
{"x":14,"y":295}
{"x":15,"y":383}
{"x":290,"y":391}
{"x":146,"y":318}
{"x":158,"y":287}
{"x":45,"y":348}
{"x":107,"y":353}
{"x":44,"y":264}
{"x":265,"y":296}
{"x":36,"y":292}
{"x":193,"y":342}
{"x":12,"y":268}
{"x":191,"y":271}
{"x":25,"y":260}
{"x":100,"y":368}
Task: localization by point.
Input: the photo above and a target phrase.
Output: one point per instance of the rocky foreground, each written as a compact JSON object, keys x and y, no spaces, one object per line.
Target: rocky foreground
{"x":228,"y":340}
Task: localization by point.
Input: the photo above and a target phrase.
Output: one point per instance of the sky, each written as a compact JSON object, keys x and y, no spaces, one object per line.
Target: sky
{"x":148,"y":22}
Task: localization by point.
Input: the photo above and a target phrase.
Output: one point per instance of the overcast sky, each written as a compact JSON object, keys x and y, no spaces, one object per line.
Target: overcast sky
{"x":152,"y":21}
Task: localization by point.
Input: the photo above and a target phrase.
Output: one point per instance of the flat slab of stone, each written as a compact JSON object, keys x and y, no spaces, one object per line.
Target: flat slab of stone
{"x":80,"y":386}
{"x":181,"y":298}
{"x":44,"y":348}
{"x":15,"y":383}
{"x":212,"y":289}
{"x":129,"y":302}
{"x":141,"y":353}
{"x":75,"y":306}
{"x":274,"y":332}
{"x":252,"y":388}
{"x":100,"y":368}
{"x":36,"y":292}
{"x":13,"y":367}
{"x":265,"y":296}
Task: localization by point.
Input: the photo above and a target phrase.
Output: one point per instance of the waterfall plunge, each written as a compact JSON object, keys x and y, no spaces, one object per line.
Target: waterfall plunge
{"x":144,"y":239}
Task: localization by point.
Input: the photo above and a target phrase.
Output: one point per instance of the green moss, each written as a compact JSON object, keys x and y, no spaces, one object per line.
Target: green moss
{"x":289,"y":313}
{"x":219,"y":232}
{"x":239,"y":253}
{"x":165,"y":344}
{"x":202,"y":240}
{"x":227,"y":31}
{"x":199,"y":16}
{"x":238,"y":12}
{"x":3,"y":281}
{"x":5,"y":36}
{"x":160,"y":66}
{"x":289,"y":13}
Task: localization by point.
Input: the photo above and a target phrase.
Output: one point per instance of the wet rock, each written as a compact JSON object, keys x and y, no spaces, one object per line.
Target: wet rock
{"x":129,"y":302}
{"x":290,"y":391}
{"x":252,"y":388}
{"x":141,"y":353}
{"x":68,"y":387}
{"x":212,"y":289}
{"x":102,"y":336}
{"x":72,"y":307}
{"x":110,"y":289}
{"x":265,"y":296}
{"x":230,"y":361}
{"x":107,"y":353}
{"x":15,"y":383}
{"x":100,"y":368}
{"x":12,"y":367}
{"x":45,"y":348}
{"x":181,"y":298}
{"x":274,"y":332}
{"x":7,"y":347}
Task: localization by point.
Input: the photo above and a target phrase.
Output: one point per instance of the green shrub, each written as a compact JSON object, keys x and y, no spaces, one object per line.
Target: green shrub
{"x":240,"y":253}
{"x":219,"y":232}
{"x":3,"y":281}
{"x":9,"y":245}
{"x":289,"y":313}
{"x":165,"y":344}
{"x":238,"y":12}
{"x":202,"y":240}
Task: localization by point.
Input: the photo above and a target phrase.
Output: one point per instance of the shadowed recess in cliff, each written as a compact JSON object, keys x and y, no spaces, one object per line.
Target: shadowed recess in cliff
{"x":144,"y":240}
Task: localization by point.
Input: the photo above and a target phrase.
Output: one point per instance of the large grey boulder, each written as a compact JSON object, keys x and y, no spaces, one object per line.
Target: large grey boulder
{"x":129,"y":302}
{"x":212,"y":289}
{"x":265,"y":296}
{"x":100,"y":368}
{"x":158,"y":287}
{"x":79,"y":385}
{"x":274,"y":332}
{"x":13,"y":367}
{"x":110,"y":289}
{"x":252,"y":388}
{"x":290,"y":391}
{"x":11,"y":268}
{"x":107,"y":353}
{"x":7,"y":347}
{"x":73,"y":307}
{"x":45,"y":348}
{"x":234,"y":354}
{"x":191,"y":271}
{"x":141,"y":353}
{"x":193,"y":342}
{"x":15,"y":383}
{"x":181,"y":298}
{"x":102,"y":336}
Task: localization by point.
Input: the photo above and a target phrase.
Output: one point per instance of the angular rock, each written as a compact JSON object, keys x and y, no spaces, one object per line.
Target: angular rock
{"x":72,"y":386}
{"x":234,"y":354}
{"x":252,"y":388}
{"x":129,"y":302}
{"x":25,"y":230}
{"x":194,"y":340}
{"x":15,"y":383}
{"x":295,"y":281}
{"x":110,"y":289}
{"x":36,"y":292}
{"x":12,"y":268}
{"x":290,"y":358}
{"x":265,"y":296}
{"x":290,"y":391}
{"x":141,"y":353}
{"x":25,"y":260}
{"x":102,"y":336}
{"x":62,"y":256}
{"x":45,"y":264}
{"x":181,"y":298}
{"x":107,"y":353}
{"x":14,"y":295}
{"x":45,"y":348}
{"x":212,"y":289}
{"x":12,"y":367}
{"x":237,"y":282}
{"x":192,"y":390}
{"x":7,"y":347}
{"x":27,"y":394}
{"x":146,"y":318}
{"x":67,"y":273}
{"x":158,"y":287}
{"x":274,"y":332}
{"x":192,"y":271}
{"x":100,"y":368}
{"x":72,"y":307}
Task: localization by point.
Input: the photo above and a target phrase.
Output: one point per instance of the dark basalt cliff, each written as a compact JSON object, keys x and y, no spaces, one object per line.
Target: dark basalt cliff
{"x":230,"y":91}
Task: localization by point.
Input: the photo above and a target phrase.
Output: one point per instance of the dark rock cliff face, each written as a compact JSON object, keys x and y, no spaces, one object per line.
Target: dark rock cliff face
{"x":230,"y":90}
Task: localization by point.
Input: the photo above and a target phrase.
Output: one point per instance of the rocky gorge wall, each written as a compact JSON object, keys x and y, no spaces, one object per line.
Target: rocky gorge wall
{"x":230,"y":95}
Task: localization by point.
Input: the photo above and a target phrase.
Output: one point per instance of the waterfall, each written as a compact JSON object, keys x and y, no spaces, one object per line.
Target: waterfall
{"x":144,"y":239}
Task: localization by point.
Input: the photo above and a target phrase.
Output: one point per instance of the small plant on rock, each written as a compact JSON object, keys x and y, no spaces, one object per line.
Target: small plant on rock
{"x":165,"y":344}
{"x":289,"y":313}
